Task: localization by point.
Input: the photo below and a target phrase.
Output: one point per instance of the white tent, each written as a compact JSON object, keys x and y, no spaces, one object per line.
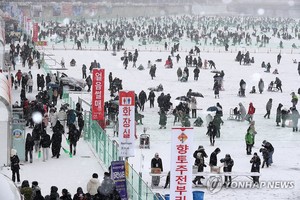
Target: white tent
{"x":5,"y":118}
{"x":8,"y":189}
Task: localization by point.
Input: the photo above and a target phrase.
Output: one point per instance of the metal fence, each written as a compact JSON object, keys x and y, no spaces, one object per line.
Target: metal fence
{"x":107,"y":150}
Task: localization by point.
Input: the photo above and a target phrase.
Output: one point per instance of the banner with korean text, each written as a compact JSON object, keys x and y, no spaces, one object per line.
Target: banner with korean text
{"x":118,"y":175}
{"x":98,"y":94}
{"x":126,"y":123}
{"x":181,"y":164}
{"x":35,"y":32}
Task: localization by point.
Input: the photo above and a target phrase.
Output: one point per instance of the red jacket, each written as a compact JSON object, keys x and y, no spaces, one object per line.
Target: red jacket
{"x":251,"y":109}
{"x":19,"y":75}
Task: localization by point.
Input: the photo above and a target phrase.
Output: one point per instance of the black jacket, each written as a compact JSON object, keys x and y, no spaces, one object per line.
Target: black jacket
{"x":45,"y":141}
{"x":156,"y":163}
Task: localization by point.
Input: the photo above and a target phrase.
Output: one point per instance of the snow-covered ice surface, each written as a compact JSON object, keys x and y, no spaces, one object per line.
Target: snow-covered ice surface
{"x":73,"y":172}
{"x":286,"y":157}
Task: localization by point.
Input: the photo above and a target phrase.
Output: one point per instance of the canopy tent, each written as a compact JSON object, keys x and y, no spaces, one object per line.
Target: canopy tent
{"x":5,"y":98}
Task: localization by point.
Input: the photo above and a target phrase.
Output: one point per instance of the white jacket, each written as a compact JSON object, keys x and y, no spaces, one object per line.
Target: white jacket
{"x":93,"y":186}
{"x":193,"y":103}
{"x":53,"y":118}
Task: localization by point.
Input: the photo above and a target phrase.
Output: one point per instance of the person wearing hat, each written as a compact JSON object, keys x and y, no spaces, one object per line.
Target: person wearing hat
{"x":156,"y":162}
{"x":270,"y":149}
{"x":295,"y":117}
{"x":199,"y":156}
{"x":268,"y":108}
{"x":107,"y":188}
{"x":14,"y":165}
{"x":228,"y":164}
{"x":255,"y":160}
{"x":35,"y":187}
{"x":249,"y":138}
{"x":213,"y":160}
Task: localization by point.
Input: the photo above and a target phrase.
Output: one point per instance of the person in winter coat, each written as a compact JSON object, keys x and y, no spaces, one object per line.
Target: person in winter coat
{"x":151,"y":98}
{"x":251,"y":111}
{"x":107,"y":188}
{"x":278,"y":114}
{"x":65,"y":195}
{"x":252,"y":130}
{"x":26,"y":190}
{"x":211,"y":132}
{"x":53,"y":117}
{"x":45,"y":144}
{"x":213,"y":160}
{"x":268,"y":108}
{"x":295,"y":117}
{"x":62,"y":116}
{"x":152,"y":71}
{"x":53,"y":194}
{"x":56,"y":139}
{"x":93,"y":185}
{"x":186,"y":70}
{"x":193,"y":105}
{"x":14,"y":165}
{"x":265,"y":155}
{"x":217,"y":121}
{"x":42,"y":82}
{"x":156,"y":162}
{"x":22,"y":96}
{"x":38,"y":196}
{"x":294,"y":99}
{"x":30,"y":85}
{"x":216,"y":89}
{"x":179,"y":73}
{"x":89,"y":82}
{"x":36,"y":135}
{"x":270,"y":149}
{"x":242,"y":88}
{"x":242,"y":111}
{"x":79,"y":194}
{"x":71,"y":117}
{"x":255,"y":160}
{"x":228,"y":164}
{"x":261,"y":86}
{"x":162,"y":118}
{"x":199,"y":156}
{"x":35,"y":187}
{"x":46,"y":119}
{"x":249,"y":138}
{"x":80,"y":121}
{"x":29,"y":147}
{"x":83,"y":71}
{"x":278,"y":58}
{"x":196,"y":73}
{"x":278,"y":84}
{"x":74,"y":136}
{"x":284,"y":115}
{"x":142,"y":99}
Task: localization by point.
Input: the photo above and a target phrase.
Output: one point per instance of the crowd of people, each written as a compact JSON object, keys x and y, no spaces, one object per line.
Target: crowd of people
{"x":70,"y":121}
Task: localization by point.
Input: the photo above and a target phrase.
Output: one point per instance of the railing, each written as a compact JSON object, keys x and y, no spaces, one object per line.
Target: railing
{"x":107,"y":151}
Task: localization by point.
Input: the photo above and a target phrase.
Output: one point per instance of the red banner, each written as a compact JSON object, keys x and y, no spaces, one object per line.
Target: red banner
{"x":98,"y":94}
{"x":35,"y":32}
